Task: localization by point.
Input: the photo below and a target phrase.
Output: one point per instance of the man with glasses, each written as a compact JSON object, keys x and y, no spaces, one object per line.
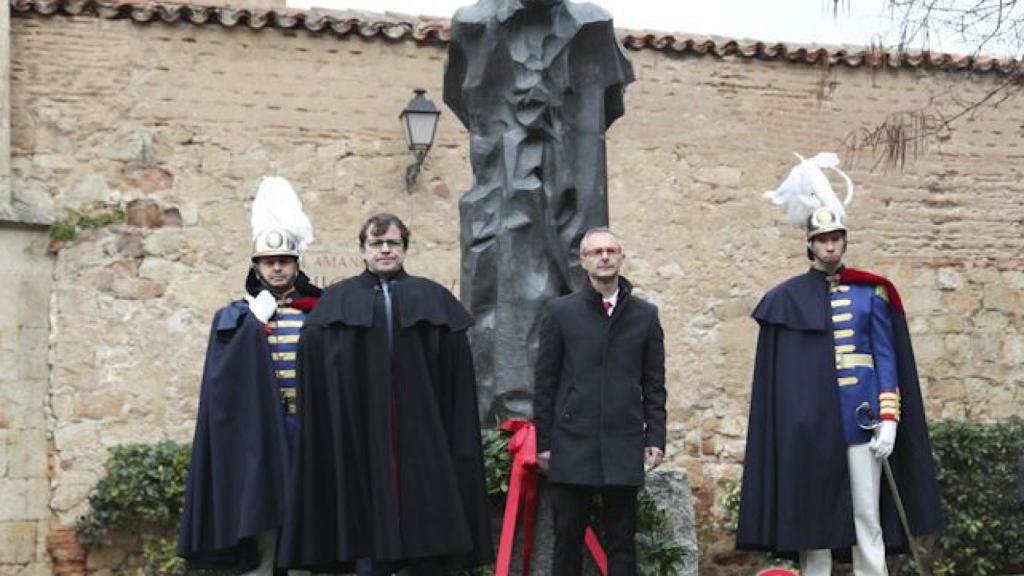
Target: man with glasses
{"x":389,"y":462}
{"x":599,"y":405}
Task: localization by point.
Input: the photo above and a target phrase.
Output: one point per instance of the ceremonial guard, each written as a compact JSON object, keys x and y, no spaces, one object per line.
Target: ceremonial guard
{"x":835,"y":401}
{"x":236,"y":492}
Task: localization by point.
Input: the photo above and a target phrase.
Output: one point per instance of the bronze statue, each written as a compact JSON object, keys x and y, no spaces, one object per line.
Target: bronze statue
{"x":536,"y":83}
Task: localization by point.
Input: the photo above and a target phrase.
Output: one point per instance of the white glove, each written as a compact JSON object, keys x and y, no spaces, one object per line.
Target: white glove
{"x":884,"y":440}
{"x":262,"y":306}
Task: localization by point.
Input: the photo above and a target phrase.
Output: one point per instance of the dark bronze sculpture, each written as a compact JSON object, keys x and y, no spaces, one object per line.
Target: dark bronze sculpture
{"x":536,"y":83}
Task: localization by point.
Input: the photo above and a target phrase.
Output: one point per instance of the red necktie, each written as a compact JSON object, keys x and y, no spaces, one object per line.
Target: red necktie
{"x":607,"y":306}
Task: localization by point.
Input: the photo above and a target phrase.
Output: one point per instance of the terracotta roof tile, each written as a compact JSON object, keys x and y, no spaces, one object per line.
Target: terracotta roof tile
{"x":399,"y":27}
{"x":338,"y":23}
{"x":851,"y":57}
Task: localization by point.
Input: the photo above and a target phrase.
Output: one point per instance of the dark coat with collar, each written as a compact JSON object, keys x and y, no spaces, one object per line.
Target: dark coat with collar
{"x":599,"y":395}
{"x":388,"y":461}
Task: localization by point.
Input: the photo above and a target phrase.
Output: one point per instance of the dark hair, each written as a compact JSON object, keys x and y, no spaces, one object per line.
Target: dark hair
{"x":379,"y":224}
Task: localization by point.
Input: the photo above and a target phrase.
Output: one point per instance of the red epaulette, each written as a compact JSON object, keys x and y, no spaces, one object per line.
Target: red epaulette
{"x":305,"y":304}
{"x":854,"y":276}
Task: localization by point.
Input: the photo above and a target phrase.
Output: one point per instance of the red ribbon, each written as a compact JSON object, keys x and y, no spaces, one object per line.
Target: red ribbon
{"x":522,"y":493}
{"x":594,"y":545}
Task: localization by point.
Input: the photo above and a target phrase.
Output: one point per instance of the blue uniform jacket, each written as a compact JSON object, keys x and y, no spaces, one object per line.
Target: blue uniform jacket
{"x":865,"y":356}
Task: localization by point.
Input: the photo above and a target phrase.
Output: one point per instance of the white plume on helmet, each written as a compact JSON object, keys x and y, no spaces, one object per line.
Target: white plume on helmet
{"x":279,"y":226}
{"x":807,"y":189}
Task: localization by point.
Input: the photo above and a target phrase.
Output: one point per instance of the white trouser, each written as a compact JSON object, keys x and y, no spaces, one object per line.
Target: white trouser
{"x":267,"y":542}
{"x":865,"y":490}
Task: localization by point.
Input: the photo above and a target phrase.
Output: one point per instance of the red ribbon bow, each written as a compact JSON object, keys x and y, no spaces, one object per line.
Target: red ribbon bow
{"x":522,"y":493}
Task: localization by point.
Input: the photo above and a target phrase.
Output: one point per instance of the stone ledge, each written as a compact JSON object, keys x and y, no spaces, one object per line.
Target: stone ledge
{"x":21,"y":215}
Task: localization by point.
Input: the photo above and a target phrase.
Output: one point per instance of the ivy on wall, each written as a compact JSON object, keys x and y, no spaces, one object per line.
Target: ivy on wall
{"x":65,"y":230}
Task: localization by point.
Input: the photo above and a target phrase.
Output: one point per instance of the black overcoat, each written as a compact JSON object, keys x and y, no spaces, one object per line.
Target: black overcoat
{"x":236,"y":485}
{"x":388,"y":460}
{"x":599,"y":388}
{"x":796,"y":487}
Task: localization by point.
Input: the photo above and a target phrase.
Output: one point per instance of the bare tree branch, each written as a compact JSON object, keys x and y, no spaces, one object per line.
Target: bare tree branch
{"x":909,"y":133}
{"x":988,"y":26}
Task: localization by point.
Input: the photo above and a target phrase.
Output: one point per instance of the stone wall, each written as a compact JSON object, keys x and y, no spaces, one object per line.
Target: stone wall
{"x":24,"y":328}
{"x":175,"y":123}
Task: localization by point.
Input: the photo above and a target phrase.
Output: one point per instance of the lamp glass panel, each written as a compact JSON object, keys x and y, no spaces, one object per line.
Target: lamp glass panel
{"x":419,"y":129}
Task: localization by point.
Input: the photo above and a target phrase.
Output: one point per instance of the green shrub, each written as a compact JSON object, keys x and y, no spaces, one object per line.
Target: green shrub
{"x":142,"y":484}
{"x":497,"y":463}
{"x":160,"y":554}
{"x":657,"y":552}
{"x":984,"y":532}
{"x":142,"y":490}
{"x":731,"y":502}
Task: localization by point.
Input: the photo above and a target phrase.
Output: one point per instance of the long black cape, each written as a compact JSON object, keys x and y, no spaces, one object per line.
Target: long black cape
{"x":388,"y":460}
{"x":237,"y":482}
{"x":796,"y":488}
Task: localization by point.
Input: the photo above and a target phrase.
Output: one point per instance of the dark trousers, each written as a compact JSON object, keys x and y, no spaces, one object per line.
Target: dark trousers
{"x":570,"y":504}
{"x":364,"y":567}
{"x":425,"y":568}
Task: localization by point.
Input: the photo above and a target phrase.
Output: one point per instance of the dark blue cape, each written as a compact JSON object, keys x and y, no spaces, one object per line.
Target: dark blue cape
{"x":237,"y":482}
{"x":796,"y":488}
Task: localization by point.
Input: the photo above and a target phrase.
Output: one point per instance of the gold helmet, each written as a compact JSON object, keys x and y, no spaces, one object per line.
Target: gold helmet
{"x":824,"y":220}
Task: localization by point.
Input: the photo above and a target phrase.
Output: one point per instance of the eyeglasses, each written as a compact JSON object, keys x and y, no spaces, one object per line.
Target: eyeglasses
{"x":392,"y":244}
{"x":609,"y":250}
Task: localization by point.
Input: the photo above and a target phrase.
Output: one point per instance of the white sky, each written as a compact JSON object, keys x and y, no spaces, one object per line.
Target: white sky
{"x":793,"y":21}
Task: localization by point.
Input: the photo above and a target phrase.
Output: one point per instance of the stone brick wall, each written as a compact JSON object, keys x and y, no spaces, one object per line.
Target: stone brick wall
{"x":176,"y":123}
{"x":24,"y":327}
{"x":5,"y":110}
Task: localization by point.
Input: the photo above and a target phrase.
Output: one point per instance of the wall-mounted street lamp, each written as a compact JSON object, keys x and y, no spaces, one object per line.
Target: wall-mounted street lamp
{"x":419,"y":121}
